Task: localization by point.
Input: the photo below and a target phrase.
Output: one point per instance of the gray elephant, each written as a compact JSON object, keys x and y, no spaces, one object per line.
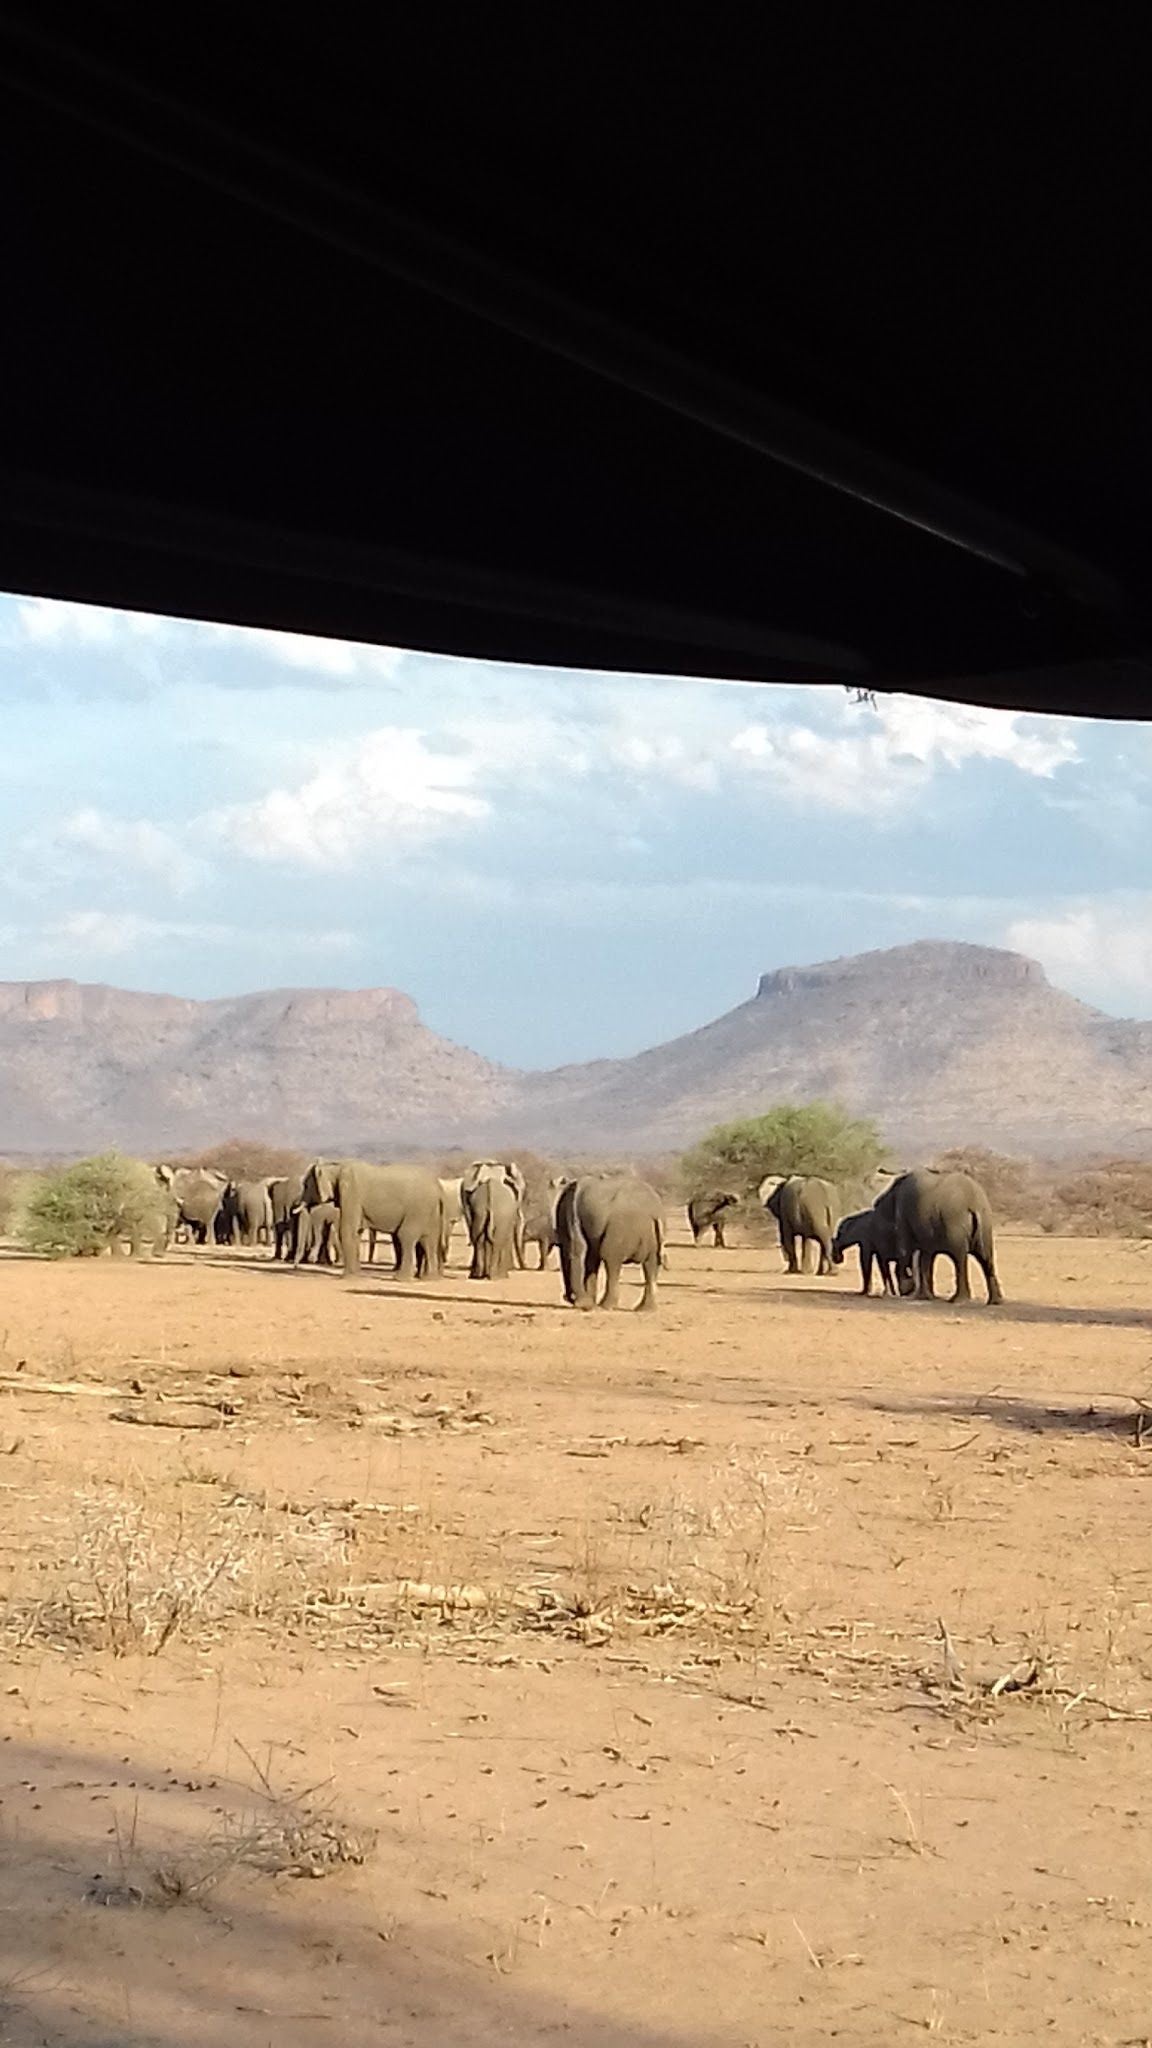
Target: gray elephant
{"x":197,"y":1195}
{"x":317,"y":1234}
{"x":491,"y":1211}
{"x":938,"y":1214}
{"x":246,"y":1213}
{"x":806,"y":1210}
{"x":285,"y":1195}
{"x":540,"y":1218}
{"x":400,"y":1202}
{"x":874,"y":1235}
{"x":608,"y":1220}
{"x":709,"y":1213}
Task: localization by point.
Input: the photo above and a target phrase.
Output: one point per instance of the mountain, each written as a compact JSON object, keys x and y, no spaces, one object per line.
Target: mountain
{"x":91,"y":1066}
{"x":942,"y":1043}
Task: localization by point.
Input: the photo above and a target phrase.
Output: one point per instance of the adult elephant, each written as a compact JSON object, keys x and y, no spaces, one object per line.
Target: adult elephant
{"x":708,"y":1213}
{"x":806,"y":1210}
{"x":607,"y":1221}
{"x":482,"y":1172}
{"x":941,"y":1214}
{"x":453,"y":1211}
{"x":247,"y":1210}
{"x":873,"y":1232}
{"x":540,"y":1218}
{"x":491,"y":1211}
{"x":197,"y":1195}
{"x":400,"y":1202}
{"x":285,"y":1195}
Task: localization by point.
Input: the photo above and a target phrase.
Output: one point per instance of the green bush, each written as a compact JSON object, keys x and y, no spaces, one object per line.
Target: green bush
{"x":809,"y":1137}
{"x":76,"y":1211}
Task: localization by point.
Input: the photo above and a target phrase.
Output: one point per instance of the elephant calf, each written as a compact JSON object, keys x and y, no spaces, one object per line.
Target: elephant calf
{"x":875,"y":1239}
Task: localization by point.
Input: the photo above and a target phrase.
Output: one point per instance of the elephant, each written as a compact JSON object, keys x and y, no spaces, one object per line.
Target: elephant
{"x":540,"y":1218}
{"x":453,"y":1213}
{"x":508,"y":1171}
{"x":938,"y":1213}
{"x":198,"y":1196}
{"x":608,"y":1220}
{"x":707,"y":1213}
{"x":401,"y":1202}
{"x":285,"y":1195}
{"x":491,"y":1209}
{"x":246,"y":1213}
{"x":806,"y":1209}
{"x":874,"y":1235}
{"x":317,"y":1233}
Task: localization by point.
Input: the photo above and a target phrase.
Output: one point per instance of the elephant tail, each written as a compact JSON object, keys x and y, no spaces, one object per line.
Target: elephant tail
{"x":981,"y":1239}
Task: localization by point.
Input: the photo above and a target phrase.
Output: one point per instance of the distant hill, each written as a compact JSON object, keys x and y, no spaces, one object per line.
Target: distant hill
{"x":942,"y":1043}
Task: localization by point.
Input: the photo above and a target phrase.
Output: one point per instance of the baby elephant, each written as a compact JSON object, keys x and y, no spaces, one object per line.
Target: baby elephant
{"x":874,"y":1236}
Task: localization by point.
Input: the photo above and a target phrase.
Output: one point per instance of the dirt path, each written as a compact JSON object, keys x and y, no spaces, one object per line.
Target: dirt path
{"x":519,"y":1675}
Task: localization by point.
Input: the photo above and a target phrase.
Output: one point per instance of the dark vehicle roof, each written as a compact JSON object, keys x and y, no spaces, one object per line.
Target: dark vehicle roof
{"x":805,"y":344}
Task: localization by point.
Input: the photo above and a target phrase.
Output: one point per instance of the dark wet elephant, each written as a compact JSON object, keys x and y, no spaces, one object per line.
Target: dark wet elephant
{"x":806,"y":1210}
{"x":607,"y":1221}
{"x":709,"y":1213}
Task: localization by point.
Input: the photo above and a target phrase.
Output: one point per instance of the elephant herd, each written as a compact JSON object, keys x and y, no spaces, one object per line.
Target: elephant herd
{"x":598,"y":1222}
{"x":915,"y":1219}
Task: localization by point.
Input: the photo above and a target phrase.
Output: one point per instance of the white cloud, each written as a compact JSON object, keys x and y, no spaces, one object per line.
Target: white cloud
{"x":389,"y":789}
{"x":341,"y":658}
{"x":112,"y":934}
{"x":134,"y":846}
{"x":1100,"y":947}
{"x":892,"y":750}
{"x":54,"y":621}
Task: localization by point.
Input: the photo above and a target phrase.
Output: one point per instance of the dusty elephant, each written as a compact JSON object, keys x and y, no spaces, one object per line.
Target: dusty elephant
{"x":284,"y":1195}
{"x":507,"y":1171}
{"x":491,"y":1211}
{"x":246,"y":1213}
{"x":941,"y":1214}
{"x":806,"y":1210}
{"x":709,"y":1213}
{"x":608,"y":1221}
{"x":874,"y":1235}
{"x":540,"y":1218}
{"x":317,"y":1234}
{"x":197,"y":1195}
{"x":400,"y":1202}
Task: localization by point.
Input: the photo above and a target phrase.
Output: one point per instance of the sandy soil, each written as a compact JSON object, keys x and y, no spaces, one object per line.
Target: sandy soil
{"x":534,"y":1676}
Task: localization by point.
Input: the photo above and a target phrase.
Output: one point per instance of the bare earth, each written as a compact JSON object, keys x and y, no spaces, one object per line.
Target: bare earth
{"x":531,"y":1676}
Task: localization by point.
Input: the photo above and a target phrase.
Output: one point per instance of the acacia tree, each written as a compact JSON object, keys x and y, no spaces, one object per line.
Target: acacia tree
{"x":76,"y":1211}
{"x":807,"y":1137}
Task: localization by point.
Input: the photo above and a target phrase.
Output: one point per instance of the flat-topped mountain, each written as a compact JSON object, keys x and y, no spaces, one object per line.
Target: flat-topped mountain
{"x":942,"y":1043}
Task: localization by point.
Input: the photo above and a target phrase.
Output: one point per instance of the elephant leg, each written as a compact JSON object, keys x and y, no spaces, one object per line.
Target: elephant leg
{"x":406,"y":1241}
{"x":349,"y":1242}
{"x":611,"y":1297}
{"x":889,"y":1278}
{"x":650,"y":1267}
{"x":718,"y":1235}
{"x":824,"y":1262}
{"x":959,"y":1258}
{"x":865,"y":1270}
{"x":788,"y":1247}
{"x":924,"y":1269}
{"x":589,"y":1279}
{"x":995,"y":1292}
{"x":519,"y":1246}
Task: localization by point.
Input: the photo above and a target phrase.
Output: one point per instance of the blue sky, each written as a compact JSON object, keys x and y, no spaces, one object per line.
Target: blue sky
{"x":555,"y":865}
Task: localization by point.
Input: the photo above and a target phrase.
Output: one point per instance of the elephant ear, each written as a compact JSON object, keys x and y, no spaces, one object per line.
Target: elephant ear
{"x":319,"y":1183}
{"x":165,"y":1175}
{"x":769,"y":1185}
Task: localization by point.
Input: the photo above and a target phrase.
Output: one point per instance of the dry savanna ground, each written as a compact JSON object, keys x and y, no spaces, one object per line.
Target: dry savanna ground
{"x":436,"y":1665}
